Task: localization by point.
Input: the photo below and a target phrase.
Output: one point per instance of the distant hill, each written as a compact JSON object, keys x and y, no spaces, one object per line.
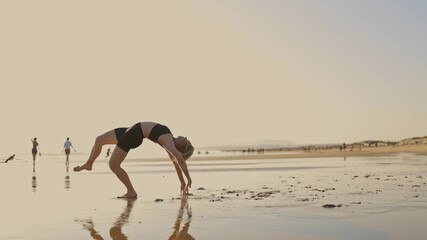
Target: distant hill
{"x":285,"y":144}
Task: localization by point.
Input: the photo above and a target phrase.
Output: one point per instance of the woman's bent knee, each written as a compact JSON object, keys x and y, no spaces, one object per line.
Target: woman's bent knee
{"x":114,"y":166}
{"x":116,"y":159}
{"x":99,"y":141}
{"x":114,"y":169}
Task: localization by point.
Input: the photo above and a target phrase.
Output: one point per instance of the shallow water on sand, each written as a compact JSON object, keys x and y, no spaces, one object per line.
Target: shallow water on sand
{"x":374,"y":198}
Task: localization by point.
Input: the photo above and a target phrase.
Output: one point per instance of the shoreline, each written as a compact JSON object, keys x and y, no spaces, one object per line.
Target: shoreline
{"x":356,"y":152}
{"x":420,"y":149}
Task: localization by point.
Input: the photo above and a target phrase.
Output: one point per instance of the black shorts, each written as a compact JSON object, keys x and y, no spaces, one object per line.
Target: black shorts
{"x":119,"y":132}
{"x":132,"y":138}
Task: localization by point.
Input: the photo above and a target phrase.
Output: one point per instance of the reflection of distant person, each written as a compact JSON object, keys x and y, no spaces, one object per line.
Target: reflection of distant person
{"x":67,"y":176}
{"x":183,"y":233}
{"x":34,"y":178}
{"x":179,"y":150}
{"x":67,"y":147}
{"x":35,"y":148}
{"x":10,"y":158}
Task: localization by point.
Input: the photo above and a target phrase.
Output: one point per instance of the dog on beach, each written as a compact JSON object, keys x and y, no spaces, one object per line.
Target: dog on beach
{"x":10,"y":158}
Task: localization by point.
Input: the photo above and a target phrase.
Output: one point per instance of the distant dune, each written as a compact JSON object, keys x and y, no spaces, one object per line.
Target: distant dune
{"x":289,"y":145}
{"x":413,"y":141}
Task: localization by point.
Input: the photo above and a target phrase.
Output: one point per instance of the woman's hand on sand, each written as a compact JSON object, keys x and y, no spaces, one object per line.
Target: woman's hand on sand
{"x":183,"y":184}
{"x":184,"y":188}
{"x":189,"y":183}
{"x":187,"y":187}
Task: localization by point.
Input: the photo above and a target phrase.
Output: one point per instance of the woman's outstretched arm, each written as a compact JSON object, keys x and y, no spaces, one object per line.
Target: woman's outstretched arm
{"x":178,"y":172}
{"x":180,"y":161}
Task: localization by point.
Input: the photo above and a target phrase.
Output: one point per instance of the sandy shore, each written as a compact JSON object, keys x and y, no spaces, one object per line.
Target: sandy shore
{"x":311,"y":195}
{"x":356,"y":152}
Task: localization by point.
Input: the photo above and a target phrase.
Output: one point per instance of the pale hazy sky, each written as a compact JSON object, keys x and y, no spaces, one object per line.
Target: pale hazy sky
{"x":214,"y":71}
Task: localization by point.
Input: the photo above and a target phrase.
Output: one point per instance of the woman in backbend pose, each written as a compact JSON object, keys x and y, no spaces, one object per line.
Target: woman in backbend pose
{"x":179,"y":150}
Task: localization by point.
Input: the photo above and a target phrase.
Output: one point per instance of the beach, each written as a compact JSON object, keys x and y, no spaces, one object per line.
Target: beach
{"x":305,"y":118}
{"x":368,"y":194}
{"x":320,"y":153}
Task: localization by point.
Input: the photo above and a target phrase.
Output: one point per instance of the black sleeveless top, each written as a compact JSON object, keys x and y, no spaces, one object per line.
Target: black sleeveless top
{"x":157,"y":131}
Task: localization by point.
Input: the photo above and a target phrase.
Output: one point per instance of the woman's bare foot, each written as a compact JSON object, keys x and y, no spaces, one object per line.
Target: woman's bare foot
{"x":129,"y":195}
{"x":82,"y":167}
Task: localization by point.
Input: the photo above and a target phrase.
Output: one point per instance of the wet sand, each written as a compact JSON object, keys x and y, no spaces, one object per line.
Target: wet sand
{"x":381,"y":196}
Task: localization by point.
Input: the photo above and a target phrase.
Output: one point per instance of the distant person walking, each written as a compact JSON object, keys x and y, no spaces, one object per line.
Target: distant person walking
{"x":36,"y":148}
{"x":67,"y":147}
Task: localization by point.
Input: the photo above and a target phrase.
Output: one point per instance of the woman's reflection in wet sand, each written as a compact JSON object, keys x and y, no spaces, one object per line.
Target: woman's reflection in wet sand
{"x":34,"y":178}
{"x":88,"y":225}
{"x":116,"y":229}
{"x":183,"y":233}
